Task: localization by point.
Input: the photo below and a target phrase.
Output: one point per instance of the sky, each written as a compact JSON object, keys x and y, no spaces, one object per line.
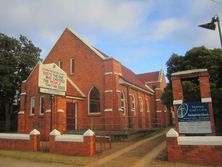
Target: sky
{"x":141,"y":34}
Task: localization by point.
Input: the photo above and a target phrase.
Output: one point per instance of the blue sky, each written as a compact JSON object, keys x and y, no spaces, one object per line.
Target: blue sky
{"x":141,"y":34}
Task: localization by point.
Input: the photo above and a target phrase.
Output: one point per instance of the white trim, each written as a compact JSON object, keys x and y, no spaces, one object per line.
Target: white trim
{"x":69,"y":138}
{"x":158,"y":111}
{"x":54,"y":132}
{"x":74,"y":97}
{"x":200,"y":140}
{"x":14,"y":136}
{"x":133,"y":102}
{"x":108,"y":110}
{"x":59,"y":63}
{"x":108,"y":73}
{"x":124,"y":101}
{"x":48,"y":110}
{"x":188,"y":72}
{"x":118,"y":91}
{"x":149,"y":88}
{"x":157,"y":89}
{"x":149,"y":82}
{"x":206,"y":100}
{"x":88,"y":133}
{"x":23,"y":94}
{"x":175,"y":102}
{"x":21,"y":112}
{"x":141,"y":106}
{"x":120,"y":109}
{"x":160,"y":77}
{"x":76,"y":87}
{"x":60,"y":110}
{"x":157,"y":99}
{"x":108,"y":91}
{"x":24,"y":81}
{"x":172,"y":133}
{"x":92,"y":48}
{"x":121,"y":81}
{"x":34,"y":132}
{"x":118,"y":73}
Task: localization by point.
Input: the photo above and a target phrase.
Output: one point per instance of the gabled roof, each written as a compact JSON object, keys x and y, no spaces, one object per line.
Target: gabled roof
{"x":150,"y":77}
{"x":131,"y":77}
{"x":127,"y":74}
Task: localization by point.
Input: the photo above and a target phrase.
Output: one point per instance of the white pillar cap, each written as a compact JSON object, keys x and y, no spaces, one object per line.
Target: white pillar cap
{"x":172,"y":133}
{"x":34,"y":132}
{"x":54,"y":133}
{"x":89,"y":132}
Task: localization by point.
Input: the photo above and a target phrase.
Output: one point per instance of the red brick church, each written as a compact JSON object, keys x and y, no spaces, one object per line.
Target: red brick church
{"x":102,"y":94}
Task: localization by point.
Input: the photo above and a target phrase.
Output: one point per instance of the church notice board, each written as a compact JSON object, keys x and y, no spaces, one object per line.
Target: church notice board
{"x":193,"y":118}
{"x":52,"y":79}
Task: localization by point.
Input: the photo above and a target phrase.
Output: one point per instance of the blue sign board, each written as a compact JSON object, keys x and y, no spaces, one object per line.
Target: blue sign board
{"x":193,"y":117}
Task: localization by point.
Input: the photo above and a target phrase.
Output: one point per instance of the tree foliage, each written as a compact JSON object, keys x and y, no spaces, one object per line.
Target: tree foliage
{"x":17,"y":59}
{"x":197,"y":58}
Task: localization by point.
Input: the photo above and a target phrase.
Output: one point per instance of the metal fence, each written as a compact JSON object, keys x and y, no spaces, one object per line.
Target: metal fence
{"x":118,"y":123}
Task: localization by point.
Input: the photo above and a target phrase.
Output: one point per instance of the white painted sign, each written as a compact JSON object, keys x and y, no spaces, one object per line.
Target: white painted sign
{"x":195,"y":127}
{"x":52,"y":79}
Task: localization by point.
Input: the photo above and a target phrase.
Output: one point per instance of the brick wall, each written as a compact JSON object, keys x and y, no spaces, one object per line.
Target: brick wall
{"x":21,"y":142}
{"x":80,"y":145}
{"x":196,"y":150}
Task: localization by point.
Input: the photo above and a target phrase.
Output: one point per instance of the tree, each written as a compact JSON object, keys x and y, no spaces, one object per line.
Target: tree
{"x":17,"y":59}
{"x":198,"y":57}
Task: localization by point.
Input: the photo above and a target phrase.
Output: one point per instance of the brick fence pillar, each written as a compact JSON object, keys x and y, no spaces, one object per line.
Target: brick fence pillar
{"x":34,"y":140}
{"x":21,"y":122}
{"x":172,"y":144}
{"x":90,"y":142}
{"x":52,"y":142}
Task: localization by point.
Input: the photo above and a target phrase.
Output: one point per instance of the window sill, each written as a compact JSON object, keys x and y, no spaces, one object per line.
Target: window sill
{"x":94,"y":114}
{"x":41,"y":115}
{"x":31,"y":115}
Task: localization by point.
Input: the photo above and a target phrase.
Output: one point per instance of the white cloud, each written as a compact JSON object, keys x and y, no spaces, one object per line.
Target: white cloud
{"x":133,"y":27}
{"x":165,"y":28}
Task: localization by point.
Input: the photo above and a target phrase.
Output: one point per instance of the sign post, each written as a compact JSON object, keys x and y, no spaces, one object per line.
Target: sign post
{"x":52,"y":80}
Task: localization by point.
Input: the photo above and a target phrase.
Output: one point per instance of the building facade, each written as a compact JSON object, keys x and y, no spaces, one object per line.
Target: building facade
{"x":102,"y":94}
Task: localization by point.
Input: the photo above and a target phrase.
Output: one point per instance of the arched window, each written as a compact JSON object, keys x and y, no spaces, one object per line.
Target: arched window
{"x":141,"y":104}
{"x":133,"y":103}
{"x":94,"y":100}
{"x":123,"y":102}
{"x":147,"y":105}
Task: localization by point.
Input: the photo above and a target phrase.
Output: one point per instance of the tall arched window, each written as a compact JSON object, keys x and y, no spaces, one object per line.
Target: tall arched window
{"x":94,"y":100}
{"x":123,"y":102}
{"x":141,"y":104}
{"x":133,"y":103}
{"x":147,"y":105}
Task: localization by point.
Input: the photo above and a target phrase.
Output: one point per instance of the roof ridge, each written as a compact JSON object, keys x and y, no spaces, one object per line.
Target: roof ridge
{"x":147,"y":72}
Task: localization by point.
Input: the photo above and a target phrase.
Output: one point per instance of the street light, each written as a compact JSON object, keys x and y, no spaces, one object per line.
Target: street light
{"x":212,"y":26}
